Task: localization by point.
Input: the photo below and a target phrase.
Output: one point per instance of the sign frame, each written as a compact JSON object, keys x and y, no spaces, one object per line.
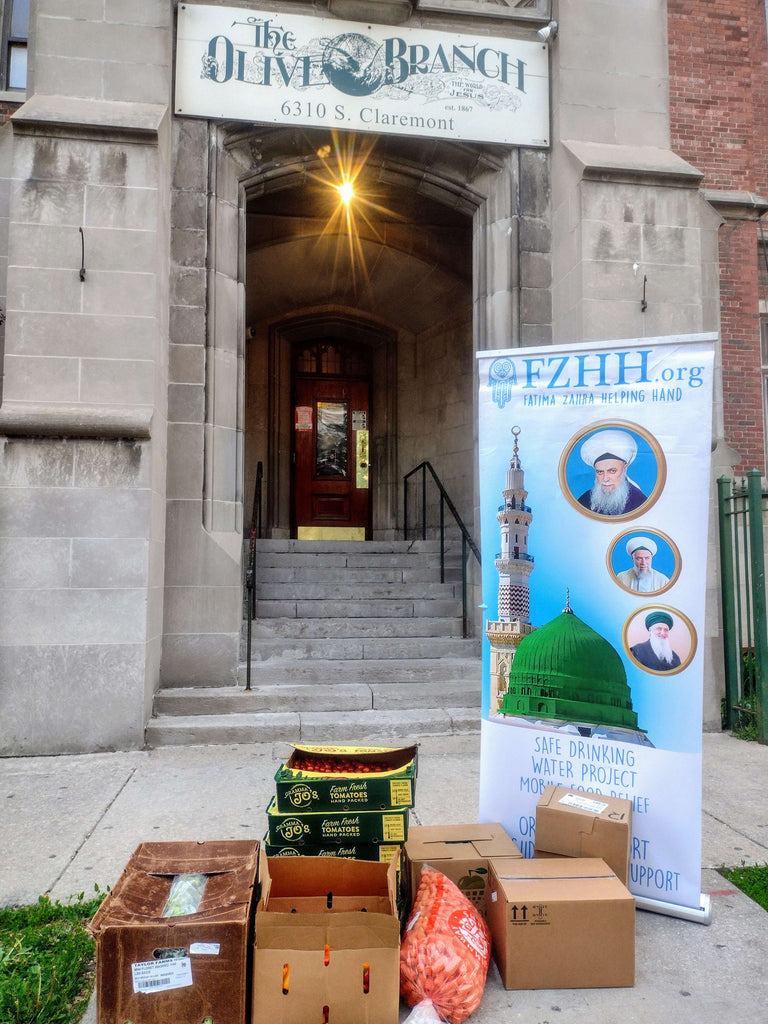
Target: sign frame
{"x":267,"y":67}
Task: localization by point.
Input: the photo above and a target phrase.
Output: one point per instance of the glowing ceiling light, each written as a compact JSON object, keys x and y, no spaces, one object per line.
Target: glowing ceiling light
{"x":346,"y":191}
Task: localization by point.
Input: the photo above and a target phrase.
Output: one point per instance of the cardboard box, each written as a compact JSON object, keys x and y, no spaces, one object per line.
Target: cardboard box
{"x":461,"y":852}
{"x":337,"y":787}
{"x":570,"y":823}
{"x":561,"y":923}
{"x":152,"y":969}
{"x":335,"y":827}
{"x":381,"y":852}
{"x":327,"y":942}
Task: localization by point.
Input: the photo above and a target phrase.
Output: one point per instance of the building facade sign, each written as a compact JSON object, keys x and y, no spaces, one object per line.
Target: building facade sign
{"x":277,"y":68}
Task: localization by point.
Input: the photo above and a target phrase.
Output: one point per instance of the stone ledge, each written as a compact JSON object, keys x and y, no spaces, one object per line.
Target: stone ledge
{"x":20,"y":419}
{"x":609,"y":162}
{"x":735,"y":205}
{"x":69,"y":116}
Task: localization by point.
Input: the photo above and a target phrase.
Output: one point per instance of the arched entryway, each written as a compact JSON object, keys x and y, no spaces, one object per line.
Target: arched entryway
{"x":390,"y":281}
{"x":451,"y":257}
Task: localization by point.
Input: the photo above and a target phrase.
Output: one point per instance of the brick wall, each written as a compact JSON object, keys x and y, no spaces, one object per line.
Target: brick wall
{"x":718,"y":63}
{"x":6,"y":110}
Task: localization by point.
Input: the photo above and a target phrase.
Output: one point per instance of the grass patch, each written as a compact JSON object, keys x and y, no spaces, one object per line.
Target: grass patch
{"x":46,"y":961}
{"x":751,"y":880}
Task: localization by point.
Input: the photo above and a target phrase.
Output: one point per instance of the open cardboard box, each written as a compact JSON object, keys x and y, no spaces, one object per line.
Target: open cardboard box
{"x":327,"y":942}
{"x":570,"y":823}
{"x":339,"y":787}
{"x":460,"y":852}
{"x":561,"y":923}
{"x":152,"y":969}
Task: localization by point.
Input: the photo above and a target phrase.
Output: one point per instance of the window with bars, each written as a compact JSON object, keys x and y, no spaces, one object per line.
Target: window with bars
{"x":15,"y":29}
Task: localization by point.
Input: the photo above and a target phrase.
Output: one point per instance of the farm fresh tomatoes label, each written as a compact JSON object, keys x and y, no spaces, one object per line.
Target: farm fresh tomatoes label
{"x":467,"y":928}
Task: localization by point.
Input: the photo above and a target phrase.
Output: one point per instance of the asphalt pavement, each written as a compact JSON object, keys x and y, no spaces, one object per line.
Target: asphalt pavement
{"x":70,"y":823}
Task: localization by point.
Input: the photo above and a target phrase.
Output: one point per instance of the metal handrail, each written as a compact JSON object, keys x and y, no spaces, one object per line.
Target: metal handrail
{"x":250,"y":571}
{"x":466,"y":538}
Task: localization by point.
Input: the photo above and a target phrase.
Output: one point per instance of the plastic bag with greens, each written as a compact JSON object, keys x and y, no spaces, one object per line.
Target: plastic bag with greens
{"x":185,"y":895}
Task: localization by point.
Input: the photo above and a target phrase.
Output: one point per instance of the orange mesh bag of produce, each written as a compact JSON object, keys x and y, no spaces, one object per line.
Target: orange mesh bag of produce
{"x":445,"y":950}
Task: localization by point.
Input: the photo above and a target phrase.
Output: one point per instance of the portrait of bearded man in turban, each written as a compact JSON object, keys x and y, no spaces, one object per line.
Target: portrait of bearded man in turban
{"x":613,"y":493}
{"x":656,"y":652}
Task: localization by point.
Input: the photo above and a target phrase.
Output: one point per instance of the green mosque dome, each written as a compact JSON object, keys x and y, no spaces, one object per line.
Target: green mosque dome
{"x":567,"y":671}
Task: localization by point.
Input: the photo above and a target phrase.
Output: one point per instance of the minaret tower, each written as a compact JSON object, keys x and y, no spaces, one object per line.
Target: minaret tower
{"x":514,"y":566}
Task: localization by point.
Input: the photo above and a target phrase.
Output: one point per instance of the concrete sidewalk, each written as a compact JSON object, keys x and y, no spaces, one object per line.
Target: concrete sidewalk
{"x":72,"y":822}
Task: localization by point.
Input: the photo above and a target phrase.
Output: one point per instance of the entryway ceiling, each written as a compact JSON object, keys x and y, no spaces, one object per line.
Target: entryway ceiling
{"x":410,"y":248}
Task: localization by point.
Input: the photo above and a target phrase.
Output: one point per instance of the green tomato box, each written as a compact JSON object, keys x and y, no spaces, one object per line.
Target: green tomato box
{"x":381,"y":852}
{"x":312,"y":828}
{"x":329,"y":778}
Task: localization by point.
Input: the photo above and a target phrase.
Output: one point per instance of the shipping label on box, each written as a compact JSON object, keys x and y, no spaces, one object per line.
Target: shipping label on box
{"x":460,"y":852}
{"x":570,"y":823}
{"x":561,"y":923}
{"x":173,"y":938}
{"x":327,"y":943}
{"x":346,"y":778}
{"x":342,"y":827}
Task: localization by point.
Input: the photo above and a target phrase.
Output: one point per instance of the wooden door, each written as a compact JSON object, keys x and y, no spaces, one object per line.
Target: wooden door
{"x":331,"y":475}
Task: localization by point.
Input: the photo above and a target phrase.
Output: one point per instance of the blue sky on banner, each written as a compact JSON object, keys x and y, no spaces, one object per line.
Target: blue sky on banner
{"x":657,"y":392}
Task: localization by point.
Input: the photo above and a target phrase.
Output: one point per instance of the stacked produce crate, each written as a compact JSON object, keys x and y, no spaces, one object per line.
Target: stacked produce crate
{"x":342,"y":802}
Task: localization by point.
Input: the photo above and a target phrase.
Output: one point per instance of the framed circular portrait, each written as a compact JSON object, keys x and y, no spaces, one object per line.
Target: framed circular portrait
{"x":659,"y":639}
{"x":612,"y":471}
{"x":644,"y":561}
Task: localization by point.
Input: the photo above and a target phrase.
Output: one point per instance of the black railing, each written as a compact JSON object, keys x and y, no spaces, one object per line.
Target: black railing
{"x":467,"y":543}
{"x":250,"y":570}
{"x":743,"y":513}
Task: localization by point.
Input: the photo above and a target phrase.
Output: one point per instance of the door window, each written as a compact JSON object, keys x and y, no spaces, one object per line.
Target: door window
{"x":331,"y":451}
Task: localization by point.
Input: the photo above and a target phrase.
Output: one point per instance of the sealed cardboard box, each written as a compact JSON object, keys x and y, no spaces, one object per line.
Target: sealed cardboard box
{"x":323,"y":778}
{"x":327,"y":942}
{"x":570,"y":823}
{"x":382,"y":852}
{"x":561,"y":923}
{"x":460,"y":852}
{"x":173,"y":938}
{"x":295,"y":828}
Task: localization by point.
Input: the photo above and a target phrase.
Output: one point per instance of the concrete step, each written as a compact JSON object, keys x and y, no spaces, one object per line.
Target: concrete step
{"x":326,"y":628}
{"x":360,"y":648}
{"x":301,"y":697}
{"x":330,"y":727}
{"x":358,"y":608}
{"x":380,"y":575}
{"x":302,"y":591}
{"x":393,"y":670}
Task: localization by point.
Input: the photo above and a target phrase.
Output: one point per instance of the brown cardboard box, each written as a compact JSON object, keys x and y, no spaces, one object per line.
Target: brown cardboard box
{"x":460,"y":852}
{"x":141,"y":955}
{"x":561,"y":923}
{"x":327,"y":942}
{"x":570,"y":823}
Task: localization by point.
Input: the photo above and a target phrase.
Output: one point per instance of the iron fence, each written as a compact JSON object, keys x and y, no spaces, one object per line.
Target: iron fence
{"x":742,"y":508}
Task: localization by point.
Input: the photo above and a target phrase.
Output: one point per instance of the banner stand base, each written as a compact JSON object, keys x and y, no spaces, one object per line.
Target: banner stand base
{"x":702,"y":915}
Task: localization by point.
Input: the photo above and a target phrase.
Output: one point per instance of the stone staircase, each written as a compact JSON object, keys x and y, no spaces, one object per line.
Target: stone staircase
{"x":352,"y":643}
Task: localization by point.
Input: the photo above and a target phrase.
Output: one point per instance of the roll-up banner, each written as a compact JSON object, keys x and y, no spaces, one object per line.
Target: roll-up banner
{"x":594,"y":494}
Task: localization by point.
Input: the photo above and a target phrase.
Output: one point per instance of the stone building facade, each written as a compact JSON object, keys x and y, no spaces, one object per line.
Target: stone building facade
{"x":167,"y":274}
